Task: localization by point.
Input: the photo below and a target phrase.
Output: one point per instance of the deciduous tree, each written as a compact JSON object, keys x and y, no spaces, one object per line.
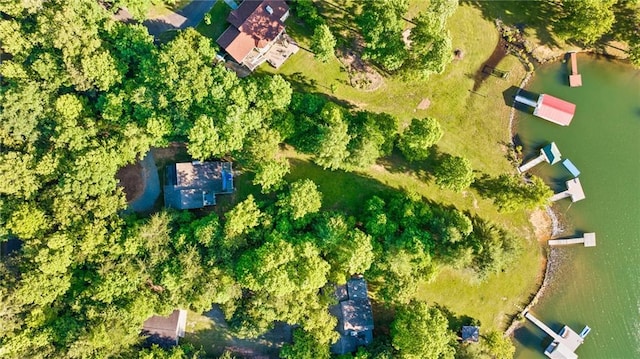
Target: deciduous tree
{"x":419,"y":331}
{"x":419,"y":137}
{"x":454,"y":173}
{"x":323,"y":43}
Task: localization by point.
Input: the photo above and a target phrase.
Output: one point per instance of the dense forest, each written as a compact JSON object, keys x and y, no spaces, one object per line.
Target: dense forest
{"x":82,"y":95}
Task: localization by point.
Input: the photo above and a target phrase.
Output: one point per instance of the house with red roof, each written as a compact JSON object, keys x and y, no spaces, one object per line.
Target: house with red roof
{"x":256,"y":26}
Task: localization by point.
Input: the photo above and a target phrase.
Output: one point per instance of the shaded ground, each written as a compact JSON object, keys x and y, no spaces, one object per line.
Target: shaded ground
{"x":150,"y":184}
{"x":211,"y":331}
{"x":131,"y":181}
{"x":189,"y":16}
{"x":499,"y":53}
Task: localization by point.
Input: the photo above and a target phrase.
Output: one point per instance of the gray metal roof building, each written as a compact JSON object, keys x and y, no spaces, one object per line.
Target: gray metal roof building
{"x":165,"y":331}
{"x":195,"y":184}
{"x":355,"y":317}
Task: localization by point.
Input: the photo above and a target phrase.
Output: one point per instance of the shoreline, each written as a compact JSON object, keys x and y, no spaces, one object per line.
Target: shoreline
{"x":551,"y":258}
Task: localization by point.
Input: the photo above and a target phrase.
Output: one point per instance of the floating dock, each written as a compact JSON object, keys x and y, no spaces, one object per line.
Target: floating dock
{"x":573,"y":191}
{"x":588,"y":239}
{"x":550,"y":108}
{"x":575,"y":79}
{"x":564,"y":343}
{"x":549,"y":153}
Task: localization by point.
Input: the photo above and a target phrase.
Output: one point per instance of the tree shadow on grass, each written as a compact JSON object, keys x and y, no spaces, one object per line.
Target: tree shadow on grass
{"x":218,"y":338}
{"x":423,"y":170}
{"x":340,"y":190}
{"x":538,"y":15}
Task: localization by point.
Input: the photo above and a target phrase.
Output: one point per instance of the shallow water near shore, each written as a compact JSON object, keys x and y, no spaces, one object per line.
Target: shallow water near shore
{"x":600,"y":286}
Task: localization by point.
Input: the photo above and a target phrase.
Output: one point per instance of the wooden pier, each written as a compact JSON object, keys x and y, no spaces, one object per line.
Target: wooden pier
{"x":564,"y":343}
{"x":549,"y":153}
{"x":574,"y":191}
{"x":575,"y":79}
{"x":588,"y":239}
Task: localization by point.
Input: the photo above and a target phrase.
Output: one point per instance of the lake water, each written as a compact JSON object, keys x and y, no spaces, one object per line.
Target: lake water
{"x":600,"y":286}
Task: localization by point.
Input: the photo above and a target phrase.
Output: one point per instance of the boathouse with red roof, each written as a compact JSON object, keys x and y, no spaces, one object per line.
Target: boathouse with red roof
{"x":554,"y":110}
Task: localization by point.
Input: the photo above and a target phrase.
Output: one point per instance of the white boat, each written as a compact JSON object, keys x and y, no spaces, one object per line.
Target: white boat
{"x":585,"y":331}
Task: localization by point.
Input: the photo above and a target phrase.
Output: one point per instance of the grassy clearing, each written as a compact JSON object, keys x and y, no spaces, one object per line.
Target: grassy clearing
{"x":218,"y":13}
{"x":475,"y":124}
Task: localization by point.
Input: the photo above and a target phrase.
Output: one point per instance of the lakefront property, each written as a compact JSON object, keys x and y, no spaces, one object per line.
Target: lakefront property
{"x":318,"y":179}
{"x":257,"y":34}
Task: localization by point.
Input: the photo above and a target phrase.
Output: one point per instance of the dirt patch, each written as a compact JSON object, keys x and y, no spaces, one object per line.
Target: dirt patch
{"x":424,"y":104}
{"x":541,"y":225}
{"x":361,"y":75}
{"x":131,"y":180}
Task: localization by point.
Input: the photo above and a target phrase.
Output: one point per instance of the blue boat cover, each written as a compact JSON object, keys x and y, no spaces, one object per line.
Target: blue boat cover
{"x":571,"y":167}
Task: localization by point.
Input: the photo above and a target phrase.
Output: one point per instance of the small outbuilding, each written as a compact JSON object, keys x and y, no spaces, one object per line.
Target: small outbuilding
{"x":470,"y":334}
{"x":165,"y":331}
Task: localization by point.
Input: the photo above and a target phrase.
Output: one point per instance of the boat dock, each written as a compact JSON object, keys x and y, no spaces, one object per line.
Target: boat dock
{"x":564,"y":343}
{"x":575,"y":79}
{"x":588,"y":239}
{"x":574,"y":191}
{"x":548,"y":153}
{"x":550,"y":108}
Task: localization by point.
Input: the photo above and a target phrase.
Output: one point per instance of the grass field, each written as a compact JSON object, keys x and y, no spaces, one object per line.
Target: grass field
{"x":476,"y":126}
{"x":475,"y":119}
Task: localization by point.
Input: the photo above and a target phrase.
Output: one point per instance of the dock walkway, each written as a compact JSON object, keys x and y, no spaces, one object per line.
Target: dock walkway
{"x":574,"y":191}
{"x":575,"y":79}
{"x":588,"y":239}
{"x":564,"y":343}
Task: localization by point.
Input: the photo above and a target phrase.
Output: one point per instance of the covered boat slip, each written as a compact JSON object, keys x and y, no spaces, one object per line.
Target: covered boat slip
{"x":550,"y":108}
{"x":564,"y":342}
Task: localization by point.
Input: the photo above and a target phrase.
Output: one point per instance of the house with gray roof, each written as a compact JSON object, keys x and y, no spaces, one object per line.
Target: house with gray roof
{"x":355,"y":317}
{"x":165,"y":331}
{"x":195,"y":184}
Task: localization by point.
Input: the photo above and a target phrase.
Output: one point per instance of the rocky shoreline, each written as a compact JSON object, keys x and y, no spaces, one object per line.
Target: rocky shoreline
{"x":553,"y":255}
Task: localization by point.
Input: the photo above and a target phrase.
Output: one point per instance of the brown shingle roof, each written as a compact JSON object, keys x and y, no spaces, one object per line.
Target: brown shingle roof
{"x":252,"y":26}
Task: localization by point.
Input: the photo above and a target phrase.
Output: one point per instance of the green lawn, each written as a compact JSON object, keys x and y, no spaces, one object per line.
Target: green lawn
{"x":163,"y":9}
{"x":475,"y":125}
{"x":475,"y":120}
{"x":219,"y":13}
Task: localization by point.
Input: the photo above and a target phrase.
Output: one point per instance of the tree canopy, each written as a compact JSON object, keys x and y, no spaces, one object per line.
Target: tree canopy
{"x":454,"y":173}
{"x":419,"y":137}
{"x":419,"y":331}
